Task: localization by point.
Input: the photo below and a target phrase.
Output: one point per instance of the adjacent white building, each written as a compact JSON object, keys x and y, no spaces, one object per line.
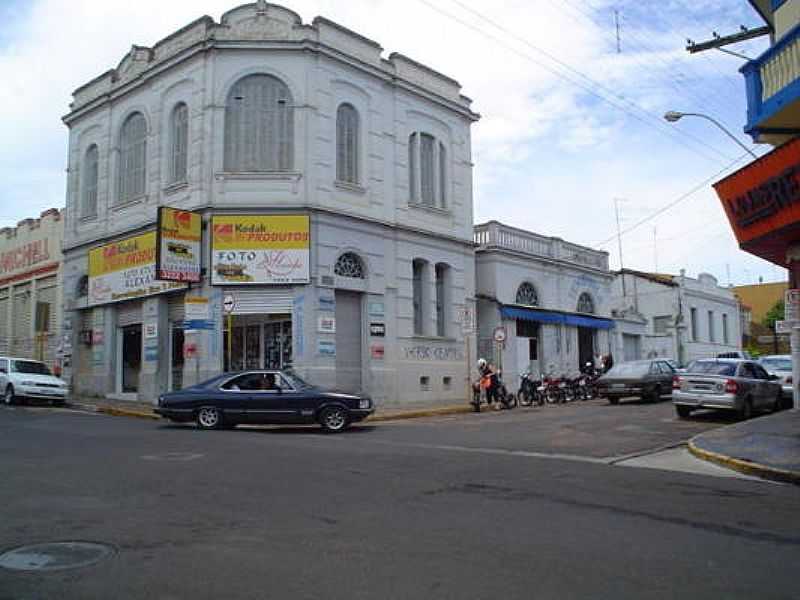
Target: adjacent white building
{"x":549,"y":298}
{"x":263,"y":122}
{"x":675,"y":317}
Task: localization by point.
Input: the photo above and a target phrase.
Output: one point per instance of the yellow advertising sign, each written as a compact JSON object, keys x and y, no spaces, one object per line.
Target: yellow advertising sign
{"x":266,"y":249}
{"x":125,"y":254}
{"x":125,"y":269}
{"x":179,"y":235}
{"x":260,"y":232}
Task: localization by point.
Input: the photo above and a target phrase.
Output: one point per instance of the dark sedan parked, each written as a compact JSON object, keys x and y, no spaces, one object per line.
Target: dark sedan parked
{"x":647,"y":379}
{"x":262,"y":397}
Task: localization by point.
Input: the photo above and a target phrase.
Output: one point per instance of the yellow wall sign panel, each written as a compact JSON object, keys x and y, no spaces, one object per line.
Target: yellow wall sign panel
{"x":180,"y":234}
{"x":125,"y":269}
{"x":260,"y":249}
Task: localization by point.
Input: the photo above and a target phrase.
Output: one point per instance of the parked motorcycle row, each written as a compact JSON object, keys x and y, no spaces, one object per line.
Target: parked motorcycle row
{"x":538,"y":391}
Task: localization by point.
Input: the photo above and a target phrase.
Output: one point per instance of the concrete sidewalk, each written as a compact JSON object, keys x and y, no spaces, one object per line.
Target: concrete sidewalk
{"x":768,"y":446}
{"x":144,"y":410}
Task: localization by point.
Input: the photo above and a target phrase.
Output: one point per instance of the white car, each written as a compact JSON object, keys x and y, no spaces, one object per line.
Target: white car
{"x":21,"y":378}
{"x":780,"y":365}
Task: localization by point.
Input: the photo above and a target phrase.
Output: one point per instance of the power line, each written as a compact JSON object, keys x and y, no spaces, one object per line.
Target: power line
{"x":656,"y":122}
{"x":674,"y":203}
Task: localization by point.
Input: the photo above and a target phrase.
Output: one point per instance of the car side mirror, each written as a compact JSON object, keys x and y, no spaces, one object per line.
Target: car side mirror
{"x":773,"y":377}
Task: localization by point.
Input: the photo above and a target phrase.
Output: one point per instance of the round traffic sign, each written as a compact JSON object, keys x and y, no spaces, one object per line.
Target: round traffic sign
{"x":228,"y":303}
{"x":499,"y":334}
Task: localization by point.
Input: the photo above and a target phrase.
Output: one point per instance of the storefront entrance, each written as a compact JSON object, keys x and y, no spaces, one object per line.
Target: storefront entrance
{"x":130,"y":358}
{"x":259,"y":342}
{"x":176,"y":359}
{"x":528,"y":334}
{"x":586,"y":346}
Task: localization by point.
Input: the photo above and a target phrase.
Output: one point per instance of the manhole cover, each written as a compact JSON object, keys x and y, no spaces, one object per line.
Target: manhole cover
{"x":174,"y":456}
{"x":55,"y":556}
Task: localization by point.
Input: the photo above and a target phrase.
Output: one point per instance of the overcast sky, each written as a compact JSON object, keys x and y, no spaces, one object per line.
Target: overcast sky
{"x":570,"y":120}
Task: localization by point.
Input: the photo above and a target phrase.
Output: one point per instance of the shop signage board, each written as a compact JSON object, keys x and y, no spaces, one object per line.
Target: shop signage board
{"x":377,"y":329}
{"x":792,"y":301}
{"x":785,"y":327}
{"x":260,"y":249}
{"x":326,"y":324}
{"x":196,"y":308}
{"x":179,"y":234}
{"x":126,"y":269}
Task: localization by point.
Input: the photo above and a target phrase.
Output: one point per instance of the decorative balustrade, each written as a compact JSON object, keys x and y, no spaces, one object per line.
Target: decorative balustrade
{"x":497,"y":235}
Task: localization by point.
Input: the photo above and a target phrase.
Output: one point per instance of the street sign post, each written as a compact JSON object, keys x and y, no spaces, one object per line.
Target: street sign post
{"x":228,"y":306}
{"x":228,"y":303}
{"x":792,"y":301}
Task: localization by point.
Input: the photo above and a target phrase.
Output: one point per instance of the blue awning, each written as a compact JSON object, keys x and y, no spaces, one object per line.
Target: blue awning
{"x":548,"y":316}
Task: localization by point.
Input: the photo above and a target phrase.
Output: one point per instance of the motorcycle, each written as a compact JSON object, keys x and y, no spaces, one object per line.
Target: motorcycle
{"x":506,"y":399}
{"x":530,"y":390}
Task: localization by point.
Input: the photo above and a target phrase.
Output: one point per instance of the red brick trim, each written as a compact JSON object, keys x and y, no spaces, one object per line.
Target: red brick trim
{"x":31,"y":274}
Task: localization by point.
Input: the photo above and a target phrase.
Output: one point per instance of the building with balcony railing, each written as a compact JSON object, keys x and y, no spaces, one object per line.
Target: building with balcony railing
{"x":550,"y":296}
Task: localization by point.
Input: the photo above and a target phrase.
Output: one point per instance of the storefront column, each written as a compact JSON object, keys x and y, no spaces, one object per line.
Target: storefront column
{"x":793,"y":264}
{"x":155,"y":348}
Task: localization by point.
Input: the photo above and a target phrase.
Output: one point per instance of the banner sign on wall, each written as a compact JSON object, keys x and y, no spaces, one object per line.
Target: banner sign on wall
{"x":126,"y":269}
{"x":178,"y":246}
{"x":258,"y":249}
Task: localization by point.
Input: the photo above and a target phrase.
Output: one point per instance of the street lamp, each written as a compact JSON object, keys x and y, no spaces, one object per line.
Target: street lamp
{"x":673,"y":116}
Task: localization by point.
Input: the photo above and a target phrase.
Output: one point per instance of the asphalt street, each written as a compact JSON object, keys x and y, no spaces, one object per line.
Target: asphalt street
{"x":554,"y":502}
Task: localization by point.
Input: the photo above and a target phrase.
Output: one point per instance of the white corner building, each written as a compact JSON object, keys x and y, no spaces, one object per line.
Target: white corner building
{"x":250,"y":120}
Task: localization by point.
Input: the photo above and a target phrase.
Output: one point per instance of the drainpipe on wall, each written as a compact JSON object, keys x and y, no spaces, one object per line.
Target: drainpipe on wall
{"x":679,"y":320}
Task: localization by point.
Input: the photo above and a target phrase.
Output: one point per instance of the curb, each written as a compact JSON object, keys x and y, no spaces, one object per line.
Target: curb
{"x":744,"y":466}
{"x":116,"y":412}
{"x":416,"y":414}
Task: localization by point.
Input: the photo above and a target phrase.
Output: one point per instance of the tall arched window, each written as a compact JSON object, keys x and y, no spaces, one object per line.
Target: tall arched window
{"x":585,"y":304}
{"x":349,"y":265}
{"x":526,"y":295}
{"x":419,"y":270}
{"x":347,"y":144}
{"x":427,"y":170}
{"x":442,"y":299}
{"x":132,"y":158}
{"x":89,"y":174}
{"x":179,"y":143}
{"x":259,"y":125}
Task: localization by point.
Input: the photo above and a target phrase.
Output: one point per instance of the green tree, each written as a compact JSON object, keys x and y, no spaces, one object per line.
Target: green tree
{"x":776,"y":313}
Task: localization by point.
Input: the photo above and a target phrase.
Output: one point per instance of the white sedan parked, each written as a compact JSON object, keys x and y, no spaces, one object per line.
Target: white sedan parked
{"x":21,"y":378}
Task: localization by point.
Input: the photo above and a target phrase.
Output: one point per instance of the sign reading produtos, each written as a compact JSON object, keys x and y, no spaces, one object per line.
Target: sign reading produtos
{"x":251,"y":249}
{"x":179,"y":235}
{"x":125,"y":269}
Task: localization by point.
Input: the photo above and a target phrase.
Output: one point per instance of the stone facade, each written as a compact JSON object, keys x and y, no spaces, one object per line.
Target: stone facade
{"x":30,"y":282}
{"x":376,"y":218}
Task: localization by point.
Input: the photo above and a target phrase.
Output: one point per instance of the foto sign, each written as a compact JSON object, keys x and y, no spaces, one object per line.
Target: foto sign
{"x":260,"y":249}
{"x":179,"y":234}
{"x":126,"y":269}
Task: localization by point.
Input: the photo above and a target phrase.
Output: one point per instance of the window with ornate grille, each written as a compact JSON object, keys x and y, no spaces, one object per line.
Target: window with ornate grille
{"x":259,"y":126}
{"x":349,"y":265}
{"x":585,"y":304}
{"x":89,"y":183}
{"x":347,"y":144}
{"x":526,"y":295}
{"x":179,"y":143}
{"x":132,"y":158}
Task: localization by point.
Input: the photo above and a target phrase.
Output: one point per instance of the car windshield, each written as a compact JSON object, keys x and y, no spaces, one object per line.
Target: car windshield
{"x":634,"y":369}
{"x":712,"y":367}
{"x":297,"y":382}
{"x":30,"y":366}
{"x":777,"y":364}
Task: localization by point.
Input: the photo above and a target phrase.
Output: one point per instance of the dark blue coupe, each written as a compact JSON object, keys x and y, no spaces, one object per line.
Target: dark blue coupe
{"x":262,"y":397}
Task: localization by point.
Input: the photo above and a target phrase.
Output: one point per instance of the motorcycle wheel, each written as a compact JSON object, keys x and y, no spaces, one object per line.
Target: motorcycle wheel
{"x":525,"y":398}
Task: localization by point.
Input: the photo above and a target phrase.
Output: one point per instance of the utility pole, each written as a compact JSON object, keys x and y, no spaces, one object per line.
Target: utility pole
{"x":616,"y":24}
{"x":619,"y":243}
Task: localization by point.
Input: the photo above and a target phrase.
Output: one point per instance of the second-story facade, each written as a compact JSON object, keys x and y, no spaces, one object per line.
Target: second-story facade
{"x":551,"y":299}
{"x":334,"y":189}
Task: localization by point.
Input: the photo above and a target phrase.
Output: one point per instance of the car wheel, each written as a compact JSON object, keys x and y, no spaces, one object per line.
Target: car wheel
{"x":333,"y":419}
{"x":614,"y":401}
{"x":209,"y":417}
{"x":684,"y":412}
{"x":8,"y":397}
{"x":747,"y":409}
{"x":656,"y":395}
{"x":778,"y":405}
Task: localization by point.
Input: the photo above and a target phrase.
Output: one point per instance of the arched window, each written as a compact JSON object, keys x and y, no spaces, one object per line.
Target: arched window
{"x":89,"y":174}
{"x":585,"y":304}
{"x":349,"y":265}
{"x":427,"y":170}
{"x":132,"y":158}
{"x":419,"y":297}
{"x":347,"y":144}
{"x":442,"y":300}
{"x":526,"y":295}
{"x":179,"y":143}
{"x":259,"y":125}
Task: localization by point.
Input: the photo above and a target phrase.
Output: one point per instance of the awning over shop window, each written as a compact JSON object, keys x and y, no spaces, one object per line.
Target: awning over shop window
{"x":547,"y":316}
